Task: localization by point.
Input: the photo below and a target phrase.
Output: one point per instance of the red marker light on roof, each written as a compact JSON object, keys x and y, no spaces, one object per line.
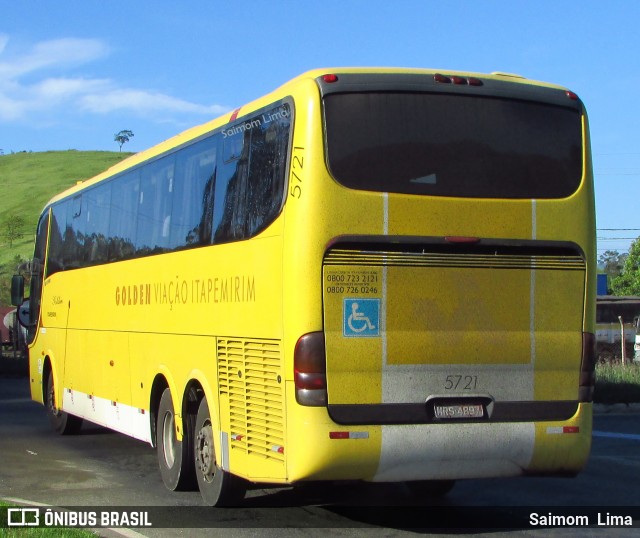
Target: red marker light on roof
{"x":571,"y":95}
{"x":441,"y":78}
{"x":330,"y":78}
{"x":458,"y":80}
{"x":474,"y":81}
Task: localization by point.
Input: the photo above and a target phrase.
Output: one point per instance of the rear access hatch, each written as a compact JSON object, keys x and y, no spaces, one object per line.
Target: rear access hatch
{"x":425,"y":331}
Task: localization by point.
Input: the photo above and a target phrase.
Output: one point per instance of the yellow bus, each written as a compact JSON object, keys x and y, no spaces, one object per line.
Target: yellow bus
{"x":384,"y":275}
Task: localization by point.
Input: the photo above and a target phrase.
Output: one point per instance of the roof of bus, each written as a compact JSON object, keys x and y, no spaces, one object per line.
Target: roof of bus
{"x":278,"y":93}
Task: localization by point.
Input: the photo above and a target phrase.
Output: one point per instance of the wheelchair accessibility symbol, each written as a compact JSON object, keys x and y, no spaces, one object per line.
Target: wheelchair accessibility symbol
{"x":361,"y":317}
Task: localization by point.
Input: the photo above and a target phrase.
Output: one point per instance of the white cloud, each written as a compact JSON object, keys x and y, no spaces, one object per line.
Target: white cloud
{"x":53,"y":53}
{"x":25,"y":88}
{"x":19,"y":100}
{"x":144,"y":102}
{"x":61,"y":88}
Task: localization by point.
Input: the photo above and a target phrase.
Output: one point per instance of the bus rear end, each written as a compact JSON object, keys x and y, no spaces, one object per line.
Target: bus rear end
{"x":456,"y":224}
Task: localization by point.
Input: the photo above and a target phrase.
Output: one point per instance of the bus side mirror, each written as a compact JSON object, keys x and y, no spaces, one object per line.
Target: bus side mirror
{"x":17,"y":290}
{"x":24,"y":317}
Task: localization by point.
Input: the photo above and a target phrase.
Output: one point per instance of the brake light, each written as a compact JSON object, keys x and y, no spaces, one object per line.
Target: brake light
{"x":587,"y":368}
{"x":310,"y":370}
{"x":461,"y":239}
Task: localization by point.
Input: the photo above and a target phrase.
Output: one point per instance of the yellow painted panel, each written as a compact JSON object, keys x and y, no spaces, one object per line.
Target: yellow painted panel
{"x":439,"y":217}
{"x":312,"y":455}
{"x":354,"y":359}
{"x":458,"y":316}
{"x":558,"y":324}
{"x":563,"y":447}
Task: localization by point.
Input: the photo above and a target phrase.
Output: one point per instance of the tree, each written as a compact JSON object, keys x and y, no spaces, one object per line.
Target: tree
{"x":628,"y":282}
{"x":122,"y":137}
{"x":12,"y":228}
{"x":612,"y":262}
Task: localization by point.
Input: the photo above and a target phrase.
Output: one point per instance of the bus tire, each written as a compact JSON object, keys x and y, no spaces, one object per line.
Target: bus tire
{"x":175,"y":458}
{"x":62,"y":422}
{"x":217,"y":486}
{"x":430,"y":489}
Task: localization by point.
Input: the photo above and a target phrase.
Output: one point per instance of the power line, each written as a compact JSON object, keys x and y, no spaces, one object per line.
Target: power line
{"x":609,"y":152}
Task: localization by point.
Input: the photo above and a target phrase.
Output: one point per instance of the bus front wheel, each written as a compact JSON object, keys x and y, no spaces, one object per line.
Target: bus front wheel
{"x":175,"y":458}
{"x":217,"y":486}
{"x":61,"y":421}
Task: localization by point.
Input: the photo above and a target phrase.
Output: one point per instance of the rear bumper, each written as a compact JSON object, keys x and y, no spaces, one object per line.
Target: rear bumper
{"x":390,"y":453}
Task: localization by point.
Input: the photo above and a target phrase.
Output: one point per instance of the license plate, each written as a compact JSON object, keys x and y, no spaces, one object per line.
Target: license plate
{"x":459,"y":411}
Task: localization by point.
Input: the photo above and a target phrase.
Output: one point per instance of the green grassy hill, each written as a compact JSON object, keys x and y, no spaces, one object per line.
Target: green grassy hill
{"x":28,"y":181}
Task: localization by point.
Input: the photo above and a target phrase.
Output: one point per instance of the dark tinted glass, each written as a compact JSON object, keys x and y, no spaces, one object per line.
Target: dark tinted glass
{"x":124,"y":216}
{"x":64,"y":244}
{"x":265,"y":182}
{"x":176,"y":201}
{"x":96,"y":204}
{"x":453,"y":145}
{"x":250,"y":181}
{"x":74,"y":234}
{"x":37,"y":275}
{"x":55,"y":261}
{"x":192,"y":214}
{"x":154,"y":208}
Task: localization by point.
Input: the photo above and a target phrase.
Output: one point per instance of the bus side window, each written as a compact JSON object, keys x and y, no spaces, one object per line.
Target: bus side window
{"x":250,"y":182}
{"x":269,"y":148}
{"x":37,"y":275}
{"x":55,"y":260}
{"x":124,"y":214}
{"x":154,"y":209}
{"x":192,"y":211}
{"x":75,"y":225}
{"x":98,"y":201}
{"x":230,"y":195}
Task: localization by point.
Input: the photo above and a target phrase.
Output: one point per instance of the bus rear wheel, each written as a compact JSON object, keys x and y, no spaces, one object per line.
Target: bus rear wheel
{"x":61,"y":421}
{"x":175,"y":458}
{"x":217,"y":486}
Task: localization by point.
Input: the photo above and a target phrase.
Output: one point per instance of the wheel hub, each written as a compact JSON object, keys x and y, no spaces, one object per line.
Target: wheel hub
{"x":169,"y":440}
{"x":204,"y":451}
{"x":51,"y":401}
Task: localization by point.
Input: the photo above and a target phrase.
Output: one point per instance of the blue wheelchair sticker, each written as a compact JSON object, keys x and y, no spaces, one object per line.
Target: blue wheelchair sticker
{"x":361,"y":317}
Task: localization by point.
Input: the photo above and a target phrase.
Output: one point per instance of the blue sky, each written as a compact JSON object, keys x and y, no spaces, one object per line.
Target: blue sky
{"x":74,"y":73}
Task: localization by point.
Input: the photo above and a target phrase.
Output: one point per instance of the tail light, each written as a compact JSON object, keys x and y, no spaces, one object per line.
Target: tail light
{"x":587,"y":368}
{"x":461,"y":239}
{"x":310,"y":370}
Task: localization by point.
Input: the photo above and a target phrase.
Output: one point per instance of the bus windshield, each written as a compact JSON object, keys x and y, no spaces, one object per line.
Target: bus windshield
{"x":453,"y":145}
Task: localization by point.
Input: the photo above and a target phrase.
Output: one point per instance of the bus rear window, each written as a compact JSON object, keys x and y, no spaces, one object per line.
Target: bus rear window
{"x":453,"y":145}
